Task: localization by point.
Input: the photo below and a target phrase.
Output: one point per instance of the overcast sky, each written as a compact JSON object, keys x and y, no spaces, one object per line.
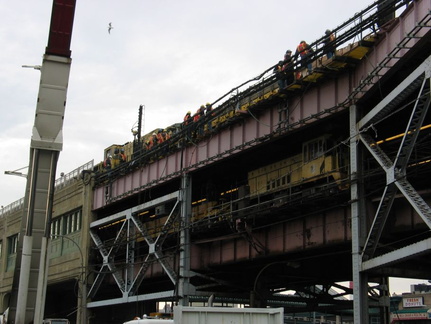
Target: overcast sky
{"x":170,"y":56}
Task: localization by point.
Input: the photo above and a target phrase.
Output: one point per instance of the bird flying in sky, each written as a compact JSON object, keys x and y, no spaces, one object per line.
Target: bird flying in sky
{"x":110,"y":27}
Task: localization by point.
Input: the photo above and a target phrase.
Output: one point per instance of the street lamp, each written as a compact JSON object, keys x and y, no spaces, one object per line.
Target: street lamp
{"x":36,"y":67}
{"x":83,"y":281}
{"x":16,"y":172}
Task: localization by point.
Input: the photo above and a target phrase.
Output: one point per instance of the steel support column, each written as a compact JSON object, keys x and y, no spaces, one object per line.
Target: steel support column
{"x":130,"y":257}
{"x":396,"y":179}
{"x":360,"y":279}
{"x":184,"y":286}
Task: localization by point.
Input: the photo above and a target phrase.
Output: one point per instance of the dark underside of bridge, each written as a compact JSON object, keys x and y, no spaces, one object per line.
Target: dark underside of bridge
{"x":265,"y":273}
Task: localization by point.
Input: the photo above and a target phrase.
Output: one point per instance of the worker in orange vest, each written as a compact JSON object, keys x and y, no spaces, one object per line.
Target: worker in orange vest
{"x":200,"y":113}
{"x":160,"y":137}
{"x":153,"y":141}
{"x":305,"y":52}
{"x":123,"y":157}
{"x":187,"y":118}
{"x":107,"y":162}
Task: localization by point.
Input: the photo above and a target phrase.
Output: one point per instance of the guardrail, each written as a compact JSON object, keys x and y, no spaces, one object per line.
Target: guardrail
{"x":64,"y":180}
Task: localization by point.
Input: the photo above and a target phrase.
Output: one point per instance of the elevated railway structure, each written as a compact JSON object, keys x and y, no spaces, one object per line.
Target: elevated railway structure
{"x":298,"y":189}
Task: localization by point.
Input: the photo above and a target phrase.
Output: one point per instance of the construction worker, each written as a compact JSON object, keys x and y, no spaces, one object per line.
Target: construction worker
{"x":288,"y":68}
{"x":167,"y":133}
{"x":305,"y":52}
{"x":199,"y":114}
{"x":279,"y":74}
{"x":123,"y":157}
{"x":209,"y":113}
{"x":208,"y":109}
{"x":329,"y":44}
{"x":153,"y":140}
{"x":147,"y":145}
{"x":107,"y":162}
{"x":160,"y":137}
{"x":187,"y":118}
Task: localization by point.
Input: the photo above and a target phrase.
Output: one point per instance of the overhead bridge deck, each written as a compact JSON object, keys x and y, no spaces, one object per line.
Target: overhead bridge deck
{"x":288,"y":186}
{"x":358,"y":67}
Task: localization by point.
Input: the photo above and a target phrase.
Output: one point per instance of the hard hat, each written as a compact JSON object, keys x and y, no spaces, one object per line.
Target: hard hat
{"x":208,"y":104}
{"x":189,"y":112}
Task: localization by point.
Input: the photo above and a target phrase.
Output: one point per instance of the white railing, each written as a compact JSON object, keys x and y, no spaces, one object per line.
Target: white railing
{"x":66,"y":179}
{"x":60,"y":183}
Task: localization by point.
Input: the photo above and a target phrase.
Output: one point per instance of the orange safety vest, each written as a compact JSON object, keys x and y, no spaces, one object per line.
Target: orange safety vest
{"x":186,"y":119}
{"x":160,"y":138}
{"x":302,"y":49}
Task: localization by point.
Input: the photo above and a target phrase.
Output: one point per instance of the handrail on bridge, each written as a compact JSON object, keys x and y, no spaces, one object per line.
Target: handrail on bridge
{"x":348,"y":32}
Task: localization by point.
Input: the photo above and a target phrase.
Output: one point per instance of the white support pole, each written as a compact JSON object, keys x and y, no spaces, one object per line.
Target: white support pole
{"x":42,"y":281}
{"x":24,"y":279}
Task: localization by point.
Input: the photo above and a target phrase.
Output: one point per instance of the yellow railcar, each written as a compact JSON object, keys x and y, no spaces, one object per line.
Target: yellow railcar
{"x":319,"y":161}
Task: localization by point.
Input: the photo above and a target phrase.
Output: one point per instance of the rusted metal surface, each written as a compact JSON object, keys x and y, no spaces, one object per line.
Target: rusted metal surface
{"x":301,"y":234}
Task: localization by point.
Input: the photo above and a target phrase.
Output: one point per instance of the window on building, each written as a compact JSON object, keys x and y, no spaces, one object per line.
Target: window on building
{"x":66,"y":224}
{"x":12,"y":248}
{"x":13,"y":244}
{"x":314,"y":149}
{"x":56,"y":227}
{"x":374,"y":320}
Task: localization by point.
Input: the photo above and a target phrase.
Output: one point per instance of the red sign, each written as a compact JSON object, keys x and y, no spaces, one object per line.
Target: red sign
{"x":413,"y":302}
{"x":409,"y":316}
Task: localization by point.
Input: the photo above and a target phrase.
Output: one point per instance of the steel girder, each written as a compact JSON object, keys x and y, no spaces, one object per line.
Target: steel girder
{"x":395,"y":171}
{"x":128,"y":280}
